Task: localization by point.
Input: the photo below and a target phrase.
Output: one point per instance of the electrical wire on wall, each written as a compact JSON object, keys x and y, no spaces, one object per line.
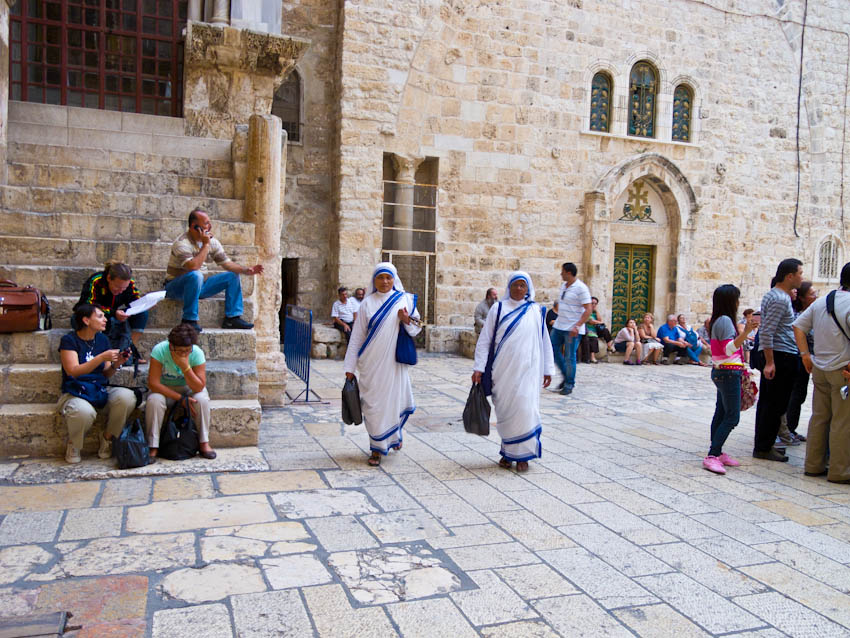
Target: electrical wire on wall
{"x":799,"y":103}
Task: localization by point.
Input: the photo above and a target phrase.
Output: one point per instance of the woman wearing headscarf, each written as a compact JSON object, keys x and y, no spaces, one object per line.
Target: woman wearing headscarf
{"x":522,"y":363}
{"x":385,"y":393}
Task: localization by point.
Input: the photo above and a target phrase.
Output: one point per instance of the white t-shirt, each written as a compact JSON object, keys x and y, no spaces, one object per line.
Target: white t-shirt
{"x":355,"y":304}
{"x":345,"y":311}
{"x":571,"y":300}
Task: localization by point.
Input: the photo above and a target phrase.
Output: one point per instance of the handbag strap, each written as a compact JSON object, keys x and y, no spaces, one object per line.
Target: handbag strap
{"x":492,"y":351}
{"x":830,"y":308}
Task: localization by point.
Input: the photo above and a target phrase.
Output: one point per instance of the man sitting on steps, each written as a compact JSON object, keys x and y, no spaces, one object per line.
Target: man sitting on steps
{"x":187,"y":267}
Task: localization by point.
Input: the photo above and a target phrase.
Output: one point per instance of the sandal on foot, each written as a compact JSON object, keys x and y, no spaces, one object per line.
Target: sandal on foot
{"x":374,"y":460}
{"x":505,"y":463}
{"x":522,"y":466}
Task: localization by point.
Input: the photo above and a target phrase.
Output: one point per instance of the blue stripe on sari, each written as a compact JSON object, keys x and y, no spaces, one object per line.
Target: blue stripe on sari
{"x":376,"y":321}
{"x":520,"y":312}
{"x":397,"y":428}
{"x":519,"y":459}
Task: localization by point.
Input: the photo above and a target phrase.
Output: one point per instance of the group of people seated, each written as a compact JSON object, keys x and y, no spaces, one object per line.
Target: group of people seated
{"x":344,"y":310}
{"x":674,"y":339}
{"x":93,"y":351}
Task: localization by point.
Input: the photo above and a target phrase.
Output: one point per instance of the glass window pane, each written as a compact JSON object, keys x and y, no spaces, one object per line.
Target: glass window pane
{"x":52,"y":96}
{"x":92,"y":17}
{"x":165,"y":8}
{"x":35,"y":33}
{"x":54,"y":35}
{"x":149,"y":106}
{"x":92,"y":81}
{"x":75,"y":79}
{"x":92,"y":101}
{"x":54,"y":55}
{"x":54,"y":76}
{"x":600,"y":103}
{"x":75,"y":98}
{"x":128,"y":65}
{"x":148,"y":87}
{"x":75,"y":38}
{"x":54,"y":12}
{"x":165,"y":27}
{"x":149,"y":25}
{"x":16,"y":72}
{"x":16,"y":30}
{"x":35,"y":74}
{"x":16,"y":52}
{"x":128,"y":85}
{"x":643,"y":87}
{"x":149,"y":7}
{"x":35,"y":53}
{"x":129,"y":22}
{"x":112,"y":102}
{"x":111,"y":83}
{"x":164,"y":68}
{"x":129,"y":5}
{"x":682,"y":103}
{"x":92,"y":60}
{"x":75,"y":57}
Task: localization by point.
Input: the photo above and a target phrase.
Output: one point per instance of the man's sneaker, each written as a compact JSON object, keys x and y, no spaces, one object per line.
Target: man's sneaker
{"x":560,"y":386}
{"x":105,"y":451}
{"x":713,"y":464}
{"x":194,"y":324}
{"x":728,"y":460}
{"x":72,"y":454}
{"x":236,"y":323}
{"x":798,"y":437}
{"x":787,"y":440}
{"x":565,"y":390}
{"x":771,"y":455}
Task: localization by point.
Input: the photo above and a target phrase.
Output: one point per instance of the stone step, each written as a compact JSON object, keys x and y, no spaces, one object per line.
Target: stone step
{"x":101,"y":158}
{"x":104,"y":227}
{"x":35,"y":429}
{"x":56,"y":252}
{"x":41,"y":382}
{"x":166,"y":314}
{"x":146,"y":205}
{"x":43,"y":347}
{"x":56,"y":281}
{"x":119,"y":181}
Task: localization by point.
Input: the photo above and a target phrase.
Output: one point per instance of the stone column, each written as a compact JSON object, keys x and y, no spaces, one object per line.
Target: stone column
{"x":403,"y":210}
{"x":597,"y":246}
{"x":263,"y":179}
{"x":221,"y":12}
{"x":195,"y":13}
{"x":4,"y":84}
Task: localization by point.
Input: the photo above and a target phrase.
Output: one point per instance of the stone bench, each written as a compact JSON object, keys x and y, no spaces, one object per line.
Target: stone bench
{"x":328,"y":342}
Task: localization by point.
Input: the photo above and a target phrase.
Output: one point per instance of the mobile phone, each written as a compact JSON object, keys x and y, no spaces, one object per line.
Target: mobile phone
{"x":756,"y":318}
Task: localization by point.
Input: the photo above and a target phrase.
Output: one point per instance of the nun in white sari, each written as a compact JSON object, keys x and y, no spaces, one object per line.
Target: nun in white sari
{"x":521,"y":366}
{"x":385,"y":392}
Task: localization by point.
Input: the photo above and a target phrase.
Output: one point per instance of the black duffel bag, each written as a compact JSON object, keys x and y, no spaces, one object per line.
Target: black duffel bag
{"x":178,"y":437}
{"x":351,"y":410}
{"x":476,"y":414}
{"x":130,"y":448}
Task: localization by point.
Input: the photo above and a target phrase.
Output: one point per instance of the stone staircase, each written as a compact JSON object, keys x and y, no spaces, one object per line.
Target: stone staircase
{"x":87,"y":186}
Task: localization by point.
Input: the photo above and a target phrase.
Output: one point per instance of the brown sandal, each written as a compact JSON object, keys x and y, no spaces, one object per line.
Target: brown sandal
{"x":375,"y":459}
{"x":505,"y":463}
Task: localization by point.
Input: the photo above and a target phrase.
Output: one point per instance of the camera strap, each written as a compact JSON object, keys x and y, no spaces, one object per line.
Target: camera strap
{"x":830,"y":308}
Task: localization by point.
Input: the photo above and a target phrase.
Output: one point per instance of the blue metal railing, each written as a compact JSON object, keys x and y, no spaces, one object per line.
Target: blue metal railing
{"x":297,"y":346}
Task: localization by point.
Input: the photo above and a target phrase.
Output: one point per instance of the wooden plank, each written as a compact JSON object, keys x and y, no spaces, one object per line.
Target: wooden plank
{"x":35,"y":626}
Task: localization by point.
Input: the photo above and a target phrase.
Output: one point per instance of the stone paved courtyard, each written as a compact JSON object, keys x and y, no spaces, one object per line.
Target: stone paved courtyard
{"x":617,"y":531}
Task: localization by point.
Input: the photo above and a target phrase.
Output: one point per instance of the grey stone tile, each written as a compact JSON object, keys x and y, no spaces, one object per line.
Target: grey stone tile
{"x":465,"y":536}
{"x":200,"y":621}
{"x":91,"y":523}
{"x":311,"y":460}
{"x":421,"y":484}
{"x":337,"y":533}
{"x":451,"y":510}
{"x":734,"y":527}
{"x":790,"y":616}
{"x":20,"y":528}
{"x":503,"y":481}
{"x":319,"y":503}
{"x":700,"y":604}
{"x":129,"y":491}
{"x":674,"y":499}
{"x":810,"y":563}
{"x":631,"y":527}
{"x":706,"y":569}
{"x":391,"y":498}
{"x":271,"y":613}
{"x":598,"y":579}
{"x":530,"y":530}
{"x":408,"y":525}
{"x":615,"y":550}
{"x":490,"y":556}
{"x":659,"y":621}
{"x":536,"y":581}
{"x":579,"y":615}
{"x":481,"y":496}
{"x":608,"y":469}
{"x":296,"y":570}
{"x":524,"y":628}
{"x":682,"y":526}
{"x":493,"y":602}
{"x":334,"y":617}
{"x":429,"y":618}
{"x":811,"y":538}
{"x":627,"y":499}
{"x":731,"y":552}
{"x":574,"y":472}
{"x":358,"y":478}
{"x":740,"y":508}
{"x":549,"y":508}
{"x":562,"y":488}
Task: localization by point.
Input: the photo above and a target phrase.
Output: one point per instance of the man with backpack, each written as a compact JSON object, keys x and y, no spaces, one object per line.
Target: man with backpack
{"x":828,"y":319}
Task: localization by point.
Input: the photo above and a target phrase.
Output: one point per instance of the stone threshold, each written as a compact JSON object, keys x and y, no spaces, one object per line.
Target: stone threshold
{"x":31,"y":471}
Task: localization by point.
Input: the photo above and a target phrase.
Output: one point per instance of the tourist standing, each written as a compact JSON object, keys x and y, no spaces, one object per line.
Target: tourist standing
{"x":776,"y":342}
{"x":574,"y":308}
{"x":522,"y":363}
{"x":385,"y":392}
{"x":727,"y":360}
{"x":829,"y":427}
{"x":806,"y":296}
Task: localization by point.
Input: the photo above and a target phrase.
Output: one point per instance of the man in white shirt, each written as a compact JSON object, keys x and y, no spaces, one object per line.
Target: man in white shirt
{"x":359,"y":295}
{"x":829,"y":427}
{"x":344,"y":312}
{"x":574,"y":308}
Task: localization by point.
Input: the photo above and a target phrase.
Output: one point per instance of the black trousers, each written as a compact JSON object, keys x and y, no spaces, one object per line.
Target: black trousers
{"x":774,"y":395}
{"x":347,"y":335}
{"x":669,"y":349}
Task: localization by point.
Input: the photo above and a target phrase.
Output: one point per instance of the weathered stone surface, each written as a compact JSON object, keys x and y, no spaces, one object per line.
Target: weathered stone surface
{"x":299,"y":570}
{"x":170,"y":516}
{"x":272,"y":613}
{"x":274,"y":532}
{"x":47,"y":497}
{"x":226,"y":548}
{"x":269,"y":482}
{"x":19,"y":528}
{"x":200,"y":621}
{"x":16,"y":562}
{"x":212,"y":582}
{"x":313,"y":503}
{"x":92,"y":523}
{"x":97,"y":601}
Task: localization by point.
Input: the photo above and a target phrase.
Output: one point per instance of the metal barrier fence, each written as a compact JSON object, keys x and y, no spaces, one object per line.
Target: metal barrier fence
{"x":297,"y":345}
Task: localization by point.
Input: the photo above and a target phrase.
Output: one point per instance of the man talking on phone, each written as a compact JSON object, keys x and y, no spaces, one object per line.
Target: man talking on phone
{"x":187,"y":269}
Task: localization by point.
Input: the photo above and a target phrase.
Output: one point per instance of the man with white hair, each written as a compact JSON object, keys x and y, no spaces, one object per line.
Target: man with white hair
{"x":674,"y":344}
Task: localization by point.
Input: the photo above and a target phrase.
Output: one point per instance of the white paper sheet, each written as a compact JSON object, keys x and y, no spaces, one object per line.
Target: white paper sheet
{"x":145,"y":303}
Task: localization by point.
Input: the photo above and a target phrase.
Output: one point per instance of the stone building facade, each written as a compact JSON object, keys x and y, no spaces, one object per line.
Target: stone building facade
{"x":499,"y":96}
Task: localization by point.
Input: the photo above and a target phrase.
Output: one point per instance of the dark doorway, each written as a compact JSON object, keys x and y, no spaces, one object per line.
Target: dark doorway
{"x":288,"y":289}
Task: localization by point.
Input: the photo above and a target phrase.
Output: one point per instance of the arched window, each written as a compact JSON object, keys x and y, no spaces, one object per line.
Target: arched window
{"x":643,"y":89}
{"x":828,"y":258}
{"x":683,"y":100}
{"x":600,"y":103}
{"x":287,"y":106}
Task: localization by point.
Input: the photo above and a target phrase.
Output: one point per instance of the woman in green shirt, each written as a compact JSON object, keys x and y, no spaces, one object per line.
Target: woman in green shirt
{"x":178,"y":367}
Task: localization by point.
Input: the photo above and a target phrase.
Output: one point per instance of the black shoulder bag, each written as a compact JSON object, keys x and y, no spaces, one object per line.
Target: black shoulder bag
{"x":178,"y":438}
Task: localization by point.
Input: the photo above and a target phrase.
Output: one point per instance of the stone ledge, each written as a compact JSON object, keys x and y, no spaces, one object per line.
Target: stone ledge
{"x":328,"y":342}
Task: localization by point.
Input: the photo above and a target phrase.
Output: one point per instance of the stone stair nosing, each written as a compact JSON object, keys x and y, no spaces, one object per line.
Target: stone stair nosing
{"x":61,"y":280}
{"x":43,"y":346}
{"x":35,"y":429}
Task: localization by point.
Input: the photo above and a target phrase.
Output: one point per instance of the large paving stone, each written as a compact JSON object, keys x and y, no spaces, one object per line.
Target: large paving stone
{"x":16,"y":562}
{"x":212,"y":582}
{"x":274,"y":613}
{"x":95,"y":601}
{"x":317,"y":503}
{"x":170,"y":516}
{"x":200,"y":621}
{"x":43,"y":498}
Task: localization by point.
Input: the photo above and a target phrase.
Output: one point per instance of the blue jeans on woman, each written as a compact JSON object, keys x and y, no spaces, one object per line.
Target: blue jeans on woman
{"x":727,"y":413}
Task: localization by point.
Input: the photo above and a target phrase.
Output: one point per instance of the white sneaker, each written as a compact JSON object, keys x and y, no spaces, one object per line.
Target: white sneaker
{"x":105,"y":450}
{"x":72,"y":454}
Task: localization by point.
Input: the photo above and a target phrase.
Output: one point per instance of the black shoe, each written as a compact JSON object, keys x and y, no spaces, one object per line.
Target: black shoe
{"x":565,"y":390}
{"x":771,"y":455}
{"x":560,"y":386}
{"x":824,"y":473}
{"x":839,"y":481}
{"x":194,"y":324}
{"x":236,"y":323}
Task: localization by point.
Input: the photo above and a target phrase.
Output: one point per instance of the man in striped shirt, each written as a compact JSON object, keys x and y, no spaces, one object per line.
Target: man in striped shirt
{"x":781,"y":357}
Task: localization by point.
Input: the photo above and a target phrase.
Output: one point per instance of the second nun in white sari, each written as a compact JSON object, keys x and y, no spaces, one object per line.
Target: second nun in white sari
{"x":521,"y":365}
{"x":385,"y":392}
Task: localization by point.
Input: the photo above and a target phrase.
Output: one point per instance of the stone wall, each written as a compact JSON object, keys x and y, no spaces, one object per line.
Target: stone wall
{"x":4,"y":84}
{"x":499,"y":92}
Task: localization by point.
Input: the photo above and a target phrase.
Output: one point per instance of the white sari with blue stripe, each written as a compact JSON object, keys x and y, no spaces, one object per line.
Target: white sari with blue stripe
{"x":523,"y":354}
{"x":386,"y":395}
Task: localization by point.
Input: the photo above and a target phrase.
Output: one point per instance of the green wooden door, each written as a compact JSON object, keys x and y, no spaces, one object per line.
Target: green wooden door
{"x":634,"y":270}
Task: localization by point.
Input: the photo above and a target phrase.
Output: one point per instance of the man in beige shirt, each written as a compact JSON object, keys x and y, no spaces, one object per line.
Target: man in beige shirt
{"x":187,"y":267}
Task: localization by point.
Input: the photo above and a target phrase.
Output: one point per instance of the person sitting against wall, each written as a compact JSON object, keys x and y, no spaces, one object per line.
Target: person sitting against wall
{"x":178,"y":367}
{"x":692,"y":339}
{"x":87,"y":363}
{"x":359,"y":295}
{"x":112,"y":290}
{"x":483,"y":308}
{"x":344,"y":312}
{"x":674,"y":343}
{"x":649,"y":340}
{"x":594,"y":330}
{"x":628,"y":341}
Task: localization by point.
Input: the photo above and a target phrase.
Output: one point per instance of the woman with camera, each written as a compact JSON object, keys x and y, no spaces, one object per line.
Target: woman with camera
{"x":87,"y":363}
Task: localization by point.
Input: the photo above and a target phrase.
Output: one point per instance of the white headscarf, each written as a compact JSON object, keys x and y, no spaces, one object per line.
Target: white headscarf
{"x":519,"y":274}
{"x":385,"y":267}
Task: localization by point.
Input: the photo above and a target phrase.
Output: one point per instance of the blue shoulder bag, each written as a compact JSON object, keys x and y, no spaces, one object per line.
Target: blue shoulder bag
{"x":405,"y":348}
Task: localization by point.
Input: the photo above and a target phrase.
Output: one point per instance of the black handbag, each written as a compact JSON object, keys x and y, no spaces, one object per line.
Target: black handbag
{"x":476,"y":414}
{"x":178,"y":438}
{"x":352,"y":413}
{"x":487,"y":377}
{"x":130,"y":448}
{"x":405,"y":348}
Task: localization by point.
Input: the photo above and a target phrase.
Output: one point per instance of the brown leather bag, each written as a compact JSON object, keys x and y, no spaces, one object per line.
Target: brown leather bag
{"x":23,"y":308}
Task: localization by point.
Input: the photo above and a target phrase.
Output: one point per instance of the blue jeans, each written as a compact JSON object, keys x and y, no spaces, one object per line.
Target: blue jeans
{"x":566,"y":364}
{"x":190,"y":287}
{"x":727,"y":413}
{"x":693,"y":352}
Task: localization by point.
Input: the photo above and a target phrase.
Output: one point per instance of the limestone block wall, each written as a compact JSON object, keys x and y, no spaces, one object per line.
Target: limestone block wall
{"x":498,"y":92}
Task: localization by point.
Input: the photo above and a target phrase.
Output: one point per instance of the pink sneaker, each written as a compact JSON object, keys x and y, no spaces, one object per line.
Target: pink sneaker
{"x":713,"y":464}
{"x":728,"y":460}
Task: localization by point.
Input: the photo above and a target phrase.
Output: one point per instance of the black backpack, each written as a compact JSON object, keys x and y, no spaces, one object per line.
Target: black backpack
{"x":178,"y":438}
